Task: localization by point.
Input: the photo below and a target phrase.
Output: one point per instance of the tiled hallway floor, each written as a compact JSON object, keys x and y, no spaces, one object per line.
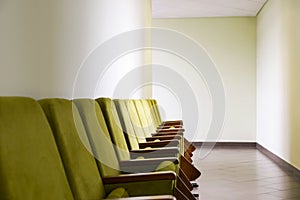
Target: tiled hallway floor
{"x":243,"y":174}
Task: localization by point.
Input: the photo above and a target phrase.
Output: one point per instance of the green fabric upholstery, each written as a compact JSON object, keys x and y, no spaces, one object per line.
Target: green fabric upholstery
{"x":147,"y":125}
{"x":95,"y":125}
{"x":114,"y":126}
{"x":118,"y":193}
{"x":109,"y":111}
{"x":30,"y":165}
{"x":98,"y":134}
{"x":127,"y":126}
{"x":147,"y":116}
{"x":74,"y":147}
{"x":166,"y":166}
{"x":135,"y":120}
{"x":157,"y":115}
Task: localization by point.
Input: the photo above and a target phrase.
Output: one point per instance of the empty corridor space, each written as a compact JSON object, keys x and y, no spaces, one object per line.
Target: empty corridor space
{"x":243,"y":174}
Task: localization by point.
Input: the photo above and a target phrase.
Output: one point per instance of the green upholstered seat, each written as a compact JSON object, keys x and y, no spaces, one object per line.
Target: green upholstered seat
{"x":144,"y":111}
{"x":77,"y":154}
{"x":96,"y":128}
{"x":74,"y":147}
{"x":133,"y":126}
{"x":30,"y":165}
{"x":115,"y":128}
{"x":188,"y":146}
{"x":128,"y":129}
{"x":159,"y":120}
{"x":127,"y":107}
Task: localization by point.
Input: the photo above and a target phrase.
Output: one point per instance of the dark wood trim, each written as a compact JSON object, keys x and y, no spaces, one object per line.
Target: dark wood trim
{"x":140,"y":177}
{"x":161,"y":197}
{"x":227,"y":144}
{"x":279,"y":161}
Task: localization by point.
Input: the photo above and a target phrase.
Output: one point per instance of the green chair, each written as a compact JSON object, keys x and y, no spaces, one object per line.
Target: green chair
{"x":164,"y":127}
{"x":148,"y":116}
{"x":96,"y":128}
{"x":30,"y":165}
{"x":149,"y":127}
{"x":188,"y":169}
{"x":140,"y":129}
{"x":134,"y":135}
{"x":81,"y":167}
{"x":154,"y":105}
{"x":113,"y":123}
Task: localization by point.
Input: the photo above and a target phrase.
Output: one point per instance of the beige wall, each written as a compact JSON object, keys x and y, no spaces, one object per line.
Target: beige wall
{"x":19,"y":74}
{"x":231,"y":44}
{"x":278,"y":50}
{"x":44,"y":43}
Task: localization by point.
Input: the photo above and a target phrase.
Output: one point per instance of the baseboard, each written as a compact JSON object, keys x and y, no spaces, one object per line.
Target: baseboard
{"x":227,"y":144}
{"x":279,"y":161}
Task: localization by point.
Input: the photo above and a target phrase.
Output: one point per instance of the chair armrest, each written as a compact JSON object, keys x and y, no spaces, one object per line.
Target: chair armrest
{"x":147,"y":162}
{"x":157,"y":197}
{"x":174,"y":122}
{"x":165,"y":143}
{"x":140,"y":177}
{"x":167,"y":133}
{"x":155,"y":152}
{"x":171,"y":130}
{"x":163,"y":137}
{"x":169,"y":126}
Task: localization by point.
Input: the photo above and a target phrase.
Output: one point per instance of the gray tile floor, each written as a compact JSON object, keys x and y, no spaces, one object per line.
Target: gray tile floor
{"x":243,"y":174}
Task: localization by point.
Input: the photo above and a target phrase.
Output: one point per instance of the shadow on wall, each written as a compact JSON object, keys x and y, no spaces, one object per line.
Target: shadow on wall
{"x":294,"y":83}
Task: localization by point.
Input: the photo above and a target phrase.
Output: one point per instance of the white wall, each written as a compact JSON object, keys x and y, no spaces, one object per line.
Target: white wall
{"x":231,"y":44}
{"x":278,"y":50}
{"x":44,"y":43}
{"x":19,"y":74}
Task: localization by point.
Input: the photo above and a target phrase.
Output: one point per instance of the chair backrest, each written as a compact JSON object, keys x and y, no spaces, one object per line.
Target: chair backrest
{"x":126,"y":124}
{"x":114,"y":127}
{"x":155,"y":107}
{"x":30,"y":165}
{"x":150,"y":113}
{"x":74,"y":148}
{"x":135,"y":120}
{"x":145,"y":120}
{"x":99,"y":137}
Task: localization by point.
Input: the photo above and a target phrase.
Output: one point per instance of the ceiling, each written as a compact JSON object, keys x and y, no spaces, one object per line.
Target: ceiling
{"x":205,"y":8}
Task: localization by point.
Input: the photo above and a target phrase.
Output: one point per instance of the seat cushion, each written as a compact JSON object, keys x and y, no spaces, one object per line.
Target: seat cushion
{"x":166,"y":166}
{"x":118,"y":193}
{"x":31,"y":167}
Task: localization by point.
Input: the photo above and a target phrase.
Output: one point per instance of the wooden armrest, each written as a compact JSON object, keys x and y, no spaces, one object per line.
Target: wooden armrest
{"x":165,"y":143}
{"x":140,"y":177}
{"x":169,"y":126}
{"x":171,"y":150}
{"x":157,"y":197}
{"x":163,"y":137}
{"x":167,"y":133}
{"x":146,"y":162}
{"x":171,"y":130}
{"x":173,"y":122}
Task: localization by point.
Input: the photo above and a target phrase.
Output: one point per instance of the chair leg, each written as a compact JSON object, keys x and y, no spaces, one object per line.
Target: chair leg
{"x":185,"y":180}
{"x":190,"y":170}
{"x":189,"y":146}
{"x":182,"y":187}
{"x":179,"y":195}
{"x":188,"y":158}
